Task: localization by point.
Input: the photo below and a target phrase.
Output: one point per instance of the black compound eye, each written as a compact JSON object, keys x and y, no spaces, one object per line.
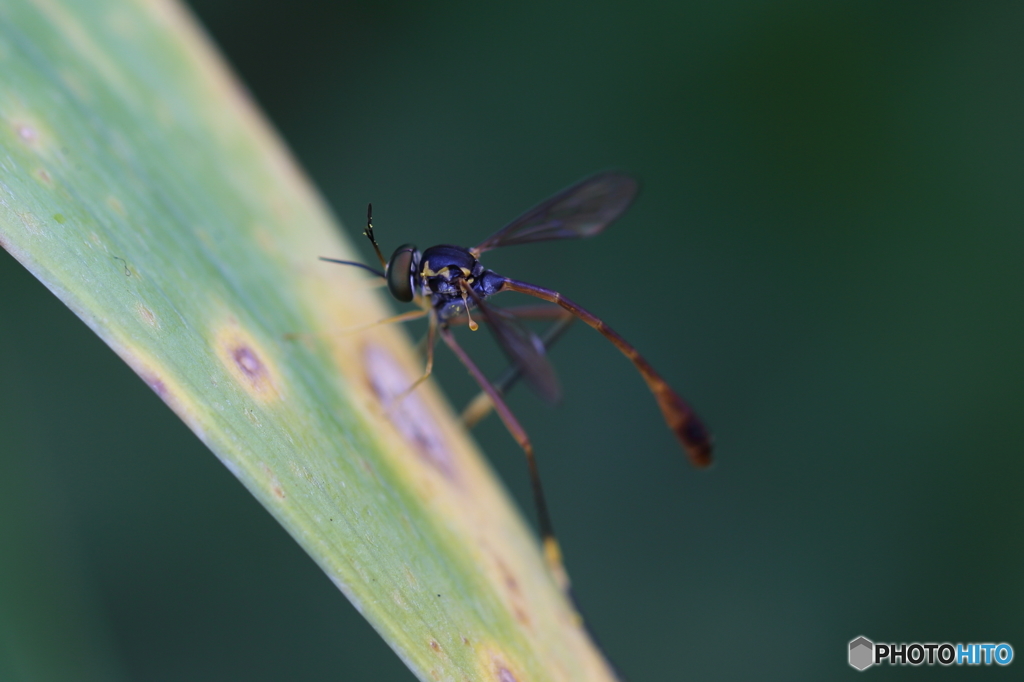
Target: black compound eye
{"x":400,"y":272}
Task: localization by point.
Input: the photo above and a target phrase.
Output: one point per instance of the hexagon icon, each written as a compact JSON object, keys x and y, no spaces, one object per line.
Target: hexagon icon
{"x":862,"y":652}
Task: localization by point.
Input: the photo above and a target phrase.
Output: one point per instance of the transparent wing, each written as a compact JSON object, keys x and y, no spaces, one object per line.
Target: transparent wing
{"x":524,"y":349}
{"x":582,"y":210}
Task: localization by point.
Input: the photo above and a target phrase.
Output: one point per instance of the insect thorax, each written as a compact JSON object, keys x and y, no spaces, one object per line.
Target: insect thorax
{"x":441,"y":269}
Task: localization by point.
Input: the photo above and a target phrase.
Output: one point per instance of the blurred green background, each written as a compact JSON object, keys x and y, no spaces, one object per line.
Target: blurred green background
{"x":826,"y":259}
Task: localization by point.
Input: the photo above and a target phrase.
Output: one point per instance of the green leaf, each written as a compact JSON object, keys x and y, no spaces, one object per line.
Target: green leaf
{"x":139,"y":184}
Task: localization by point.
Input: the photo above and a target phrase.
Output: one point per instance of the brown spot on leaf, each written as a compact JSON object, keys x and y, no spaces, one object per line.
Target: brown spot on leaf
{"x":146,"y":315}
{"x":502,"y":669}
{"x":272,"y":482}
{"x":516,"y":600}
{"x":510,"y":580}
{"x":521,"y":615}
{"x":247,"y":362}
{"x":44,"y":176}
{"x":434,"y":645}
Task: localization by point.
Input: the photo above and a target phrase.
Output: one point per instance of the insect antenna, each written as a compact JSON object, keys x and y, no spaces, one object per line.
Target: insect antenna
{"x":358,"y":265}
{"x":369,"y":234}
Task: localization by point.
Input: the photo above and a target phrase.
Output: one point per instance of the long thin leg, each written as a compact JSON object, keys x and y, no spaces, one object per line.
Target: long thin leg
{"x":552,"y":552}
{"x":431,"y":340}
{"x":679,"y":416}
{"x":481,"y":405}
{"x":401,"y":317}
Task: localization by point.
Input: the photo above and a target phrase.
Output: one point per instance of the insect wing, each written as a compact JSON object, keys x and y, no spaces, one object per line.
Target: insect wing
{"x":524,"y":349}
{"x":582,"y":210}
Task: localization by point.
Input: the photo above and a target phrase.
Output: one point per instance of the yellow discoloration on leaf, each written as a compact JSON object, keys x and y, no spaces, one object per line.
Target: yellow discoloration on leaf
{"x":30,"y":131}
{"x":164,"y":382}
{"x":247,"y":361}
{"x":494,"y":665}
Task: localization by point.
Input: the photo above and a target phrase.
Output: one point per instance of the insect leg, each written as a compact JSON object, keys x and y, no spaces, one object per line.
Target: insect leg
{"x":679,"y":416}
{"x":552,"y":552}
{"x":431,"y":340}
{"x":403,"y":317}
{"x":480,"y":406}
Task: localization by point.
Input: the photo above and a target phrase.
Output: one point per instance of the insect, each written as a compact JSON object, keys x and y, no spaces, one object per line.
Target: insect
{"x":450,"y":284}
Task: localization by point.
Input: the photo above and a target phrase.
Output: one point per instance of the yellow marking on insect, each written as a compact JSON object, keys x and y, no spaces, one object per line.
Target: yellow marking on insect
{"x":473,"y":326}
{"x":553,"y":555}
{"x":427,"y":272}
{"x":476,"y":410}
